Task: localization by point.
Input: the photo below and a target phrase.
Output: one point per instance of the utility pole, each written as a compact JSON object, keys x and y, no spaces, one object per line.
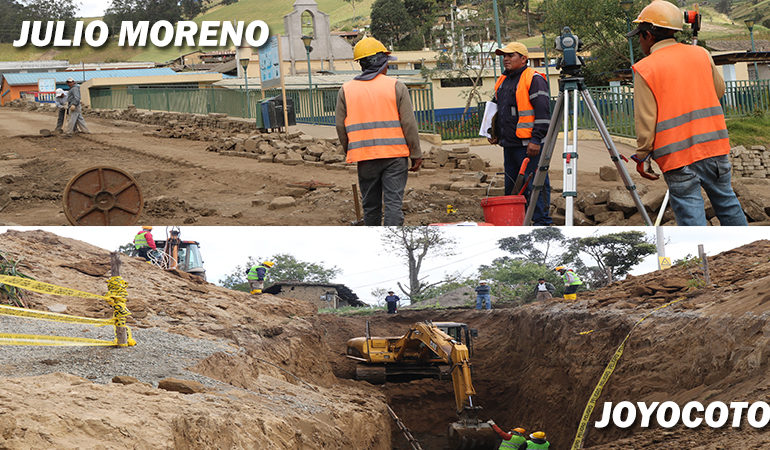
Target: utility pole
{"x":660,"y":245}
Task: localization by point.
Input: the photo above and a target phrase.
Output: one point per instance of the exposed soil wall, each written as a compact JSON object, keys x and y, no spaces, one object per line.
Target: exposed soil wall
{"x":533,"y":369}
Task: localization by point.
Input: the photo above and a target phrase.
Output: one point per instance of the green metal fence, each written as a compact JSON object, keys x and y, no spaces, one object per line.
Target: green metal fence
{"x":316,"y":108}
{"x":615,"y":105}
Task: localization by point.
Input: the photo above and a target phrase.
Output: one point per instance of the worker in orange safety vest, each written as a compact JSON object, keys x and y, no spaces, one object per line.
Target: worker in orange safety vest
{"x":523,"y":115}
{"x":679,"y":120}
{"x":377,"y":129}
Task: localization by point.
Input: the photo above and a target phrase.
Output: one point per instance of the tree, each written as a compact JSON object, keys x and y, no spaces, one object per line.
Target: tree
{"x":390,"y":21}
{"x":10,"y":20}
{"x":286,"y":268}
{"x":424,"y":13}
{"x":615,"y":253}
{"x":515,"y":279}
{"x":535,"y":246}
{"x":137,"y":10}
{"x":127,"y":249}
{"x":353,"y":4}
{"x":190,"y":8}
{"x":601,"y":26}
{"x":414,"y":244}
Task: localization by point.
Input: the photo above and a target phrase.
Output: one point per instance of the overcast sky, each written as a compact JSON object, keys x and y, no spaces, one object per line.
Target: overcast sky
{"x":93,"y":8}
{"x":366,"y":264}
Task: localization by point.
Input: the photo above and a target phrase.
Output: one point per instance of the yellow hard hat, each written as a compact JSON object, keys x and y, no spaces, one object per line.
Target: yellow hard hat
{"x":537,"y":435}
{"x":368,"y":46}
{"x":513,"y":47}
{"x":146,"y":227}
{"x":663,"y":14}
{"x":558,"y":268}
{"x":268,"y":263}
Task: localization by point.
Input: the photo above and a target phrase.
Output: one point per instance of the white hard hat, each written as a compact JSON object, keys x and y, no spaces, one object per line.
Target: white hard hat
{"x":59,"y":92}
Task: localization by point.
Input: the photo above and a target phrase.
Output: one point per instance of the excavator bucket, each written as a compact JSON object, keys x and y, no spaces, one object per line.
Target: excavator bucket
{"x":479,"y":436}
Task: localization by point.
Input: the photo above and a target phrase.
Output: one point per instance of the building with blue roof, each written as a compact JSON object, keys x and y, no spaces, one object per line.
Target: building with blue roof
{"x":14,"y":85}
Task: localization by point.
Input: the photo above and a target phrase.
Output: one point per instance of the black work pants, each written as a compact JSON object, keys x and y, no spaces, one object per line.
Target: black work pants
{"x":383,"y":180}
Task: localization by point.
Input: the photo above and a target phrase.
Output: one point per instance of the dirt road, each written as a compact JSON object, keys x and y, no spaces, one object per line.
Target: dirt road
{"x":181,"y":182}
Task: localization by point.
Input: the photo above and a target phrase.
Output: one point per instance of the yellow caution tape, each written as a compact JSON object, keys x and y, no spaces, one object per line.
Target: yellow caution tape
{"x":116,"y":297}
{"x":56,"y":317}
{"x":586,"y":332}
{"x":45,"y":288}
{"x":32,"y":339}
{"x":589,"y":409}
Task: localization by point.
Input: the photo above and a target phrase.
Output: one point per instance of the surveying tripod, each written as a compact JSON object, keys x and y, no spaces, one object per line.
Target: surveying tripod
{"x":572,"y":85}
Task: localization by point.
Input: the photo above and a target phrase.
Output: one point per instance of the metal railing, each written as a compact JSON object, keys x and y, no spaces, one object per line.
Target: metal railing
{"x":318,"y":108}
{"x":615,"y":105}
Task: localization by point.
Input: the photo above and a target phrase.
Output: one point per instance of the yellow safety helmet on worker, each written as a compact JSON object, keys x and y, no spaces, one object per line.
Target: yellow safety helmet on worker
{"x":368,"y":46}
{"x":268,"y":263}
{"x":146,"y":227}
{"x":663,"y":14}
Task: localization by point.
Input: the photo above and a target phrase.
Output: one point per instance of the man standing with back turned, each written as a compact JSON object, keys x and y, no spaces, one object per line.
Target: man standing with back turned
{"x":377,"y":129}
{"x":77,"y":122}
{"x":523,"y":116}
{"x":679,"y":121}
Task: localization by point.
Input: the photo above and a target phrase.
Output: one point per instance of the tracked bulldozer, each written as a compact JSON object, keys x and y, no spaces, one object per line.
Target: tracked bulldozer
{"x":429,"y":349}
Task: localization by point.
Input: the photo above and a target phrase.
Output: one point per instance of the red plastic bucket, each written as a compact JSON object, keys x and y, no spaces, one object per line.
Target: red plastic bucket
{"x":508,"y":210}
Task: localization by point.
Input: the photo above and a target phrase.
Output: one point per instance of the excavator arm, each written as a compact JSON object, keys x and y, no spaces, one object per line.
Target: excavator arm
{"x":450,"y":351}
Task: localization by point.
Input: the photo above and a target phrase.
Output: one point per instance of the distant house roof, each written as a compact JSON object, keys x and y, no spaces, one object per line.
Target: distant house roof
{"x":12,"y":66}
{"x":15,"y":79}
{"x":343,"y":291}
{"x":734,"y":57}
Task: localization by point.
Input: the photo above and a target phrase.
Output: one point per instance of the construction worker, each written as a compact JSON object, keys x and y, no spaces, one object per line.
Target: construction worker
{"x":77,"y":122}
{"x":256,"y":276}
{"x":537,"y":441}
{"x":60,"y":98}
{"x":392,"y":301}
{"x":544,"y":290}
{"x":143,"y":242}
{"x":514,"y":440}
{"x":571,"y":282}
{"x":523,"y":115}
{"x":377,"y":129}
{"x":483,"y":295}
{"x":679,"y":121}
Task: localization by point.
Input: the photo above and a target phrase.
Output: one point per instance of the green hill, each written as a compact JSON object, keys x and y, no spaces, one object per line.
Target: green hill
{"x":340,"y":13}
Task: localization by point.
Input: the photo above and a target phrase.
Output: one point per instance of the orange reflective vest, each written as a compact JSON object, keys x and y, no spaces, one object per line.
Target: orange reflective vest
{"x":372,"y":122}
{"x":690,"y":124}
{"x":526,"y":111}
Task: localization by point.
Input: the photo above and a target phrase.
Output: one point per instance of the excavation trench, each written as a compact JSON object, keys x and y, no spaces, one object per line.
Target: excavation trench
{"x":532,"y":368}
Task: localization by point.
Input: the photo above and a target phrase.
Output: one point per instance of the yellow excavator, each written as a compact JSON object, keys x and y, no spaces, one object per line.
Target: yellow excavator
{"x":429,"y":349}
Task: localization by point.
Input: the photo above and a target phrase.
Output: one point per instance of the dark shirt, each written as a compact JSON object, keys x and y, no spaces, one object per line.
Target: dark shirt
{"x":392,"y":298}
{"x":507,"y":110}
{"x":482,"y":289}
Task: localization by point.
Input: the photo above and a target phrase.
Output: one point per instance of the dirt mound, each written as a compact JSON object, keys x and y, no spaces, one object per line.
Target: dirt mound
{"x":275,"y":390}
{"x":461,"y":297}
{"x":533,"y":368}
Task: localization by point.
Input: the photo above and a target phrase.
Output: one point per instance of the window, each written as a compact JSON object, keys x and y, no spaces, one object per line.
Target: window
{"x":456,"y":82}
{"x":417,"y":66}
{"x":392,"y":66}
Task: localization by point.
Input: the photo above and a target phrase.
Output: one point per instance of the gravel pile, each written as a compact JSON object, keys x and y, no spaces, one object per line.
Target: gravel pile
{"x":157,"y":354}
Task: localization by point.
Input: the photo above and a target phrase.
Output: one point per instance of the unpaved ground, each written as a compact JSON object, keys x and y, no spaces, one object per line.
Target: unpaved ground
{"x":183,"y":183}
{"x":289,"y":384}
{"x":533,"y":369}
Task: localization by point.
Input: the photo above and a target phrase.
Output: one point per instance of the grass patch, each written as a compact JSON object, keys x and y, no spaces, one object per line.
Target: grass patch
{"x":351,"y":311}
{"x":751,"y":130}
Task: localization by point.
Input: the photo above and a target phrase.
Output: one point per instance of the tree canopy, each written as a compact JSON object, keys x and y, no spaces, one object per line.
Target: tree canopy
{"x":13,"y":12}
{"x":391,"y":23}
{"x":137,"y":10}
{"x":286,"y":268}
{"x":536,"y":246}
{"x":615,"y":254}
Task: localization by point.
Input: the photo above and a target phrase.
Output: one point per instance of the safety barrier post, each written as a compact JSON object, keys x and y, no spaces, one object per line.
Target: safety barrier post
{"x":117,"y":292}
